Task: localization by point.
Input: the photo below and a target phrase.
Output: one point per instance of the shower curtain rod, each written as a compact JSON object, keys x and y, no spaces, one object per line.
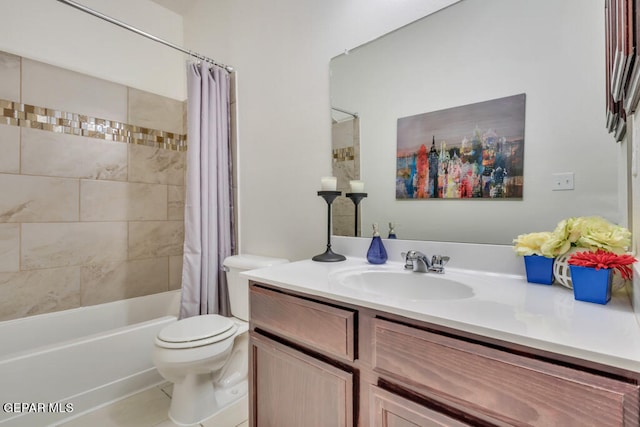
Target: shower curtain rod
{"x":355,"y":115}
{"x":142,"y":33}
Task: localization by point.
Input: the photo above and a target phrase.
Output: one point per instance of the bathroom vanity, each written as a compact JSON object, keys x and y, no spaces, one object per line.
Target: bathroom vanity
{"x":326,"y":353}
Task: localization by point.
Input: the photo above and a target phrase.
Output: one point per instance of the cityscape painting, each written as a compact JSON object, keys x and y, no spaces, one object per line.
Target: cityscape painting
{"x":474,"y":151}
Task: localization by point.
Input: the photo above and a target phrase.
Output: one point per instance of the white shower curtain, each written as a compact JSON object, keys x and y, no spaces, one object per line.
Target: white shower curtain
{"x":209,"y":203}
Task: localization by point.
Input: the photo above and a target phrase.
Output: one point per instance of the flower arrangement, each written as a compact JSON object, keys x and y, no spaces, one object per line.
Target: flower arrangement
{"x":603,"y":259}
{"x":592,"y":233}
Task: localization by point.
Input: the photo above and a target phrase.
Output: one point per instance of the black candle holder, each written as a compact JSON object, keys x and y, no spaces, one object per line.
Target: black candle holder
{"x":356,"y":198}
{"x":329,"y":255}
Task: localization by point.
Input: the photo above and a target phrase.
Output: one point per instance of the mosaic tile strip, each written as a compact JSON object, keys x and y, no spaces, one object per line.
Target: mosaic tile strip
{"x":25,"y":115}
{"x":343,"y":154}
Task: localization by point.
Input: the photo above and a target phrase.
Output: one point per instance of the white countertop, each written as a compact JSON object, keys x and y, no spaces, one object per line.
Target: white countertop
{"x":503,"y":306}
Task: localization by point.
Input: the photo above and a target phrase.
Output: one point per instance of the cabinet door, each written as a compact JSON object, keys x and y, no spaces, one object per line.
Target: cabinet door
{"x":508,"y":387}
{"x":390,"y":410}
{"x":293,"y":389}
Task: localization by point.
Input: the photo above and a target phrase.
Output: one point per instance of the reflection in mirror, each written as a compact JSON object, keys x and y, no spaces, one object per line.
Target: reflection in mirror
{"x":467,"y":53}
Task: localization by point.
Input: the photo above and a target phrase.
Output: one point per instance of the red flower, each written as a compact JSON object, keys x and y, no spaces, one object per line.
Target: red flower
{"x":603,"y":259}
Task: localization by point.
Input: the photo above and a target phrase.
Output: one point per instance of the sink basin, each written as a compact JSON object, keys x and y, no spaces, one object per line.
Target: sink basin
{"x":402,"y":284}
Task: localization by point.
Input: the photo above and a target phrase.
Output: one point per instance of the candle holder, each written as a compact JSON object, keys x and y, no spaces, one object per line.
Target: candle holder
{"x":329,"y":255}
{"x":356,"y":198}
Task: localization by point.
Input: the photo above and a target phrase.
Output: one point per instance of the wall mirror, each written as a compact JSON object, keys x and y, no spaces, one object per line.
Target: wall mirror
{"x":472,"y":52}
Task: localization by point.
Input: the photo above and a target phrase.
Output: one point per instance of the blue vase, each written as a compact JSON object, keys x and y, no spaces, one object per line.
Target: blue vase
{"x":539,"y":269}
{"x":591,"y":285}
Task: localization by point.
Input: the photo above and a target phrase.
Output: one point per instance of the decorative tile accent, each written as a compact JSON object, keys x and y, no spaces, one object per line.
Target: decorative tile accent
{"x":31,"y":116}
{"x":343,"y":154}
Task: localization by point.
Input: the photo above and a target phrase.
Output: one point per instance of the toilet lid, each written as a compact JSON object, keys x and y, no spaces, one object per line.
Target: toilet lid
{"x":196,"y":328}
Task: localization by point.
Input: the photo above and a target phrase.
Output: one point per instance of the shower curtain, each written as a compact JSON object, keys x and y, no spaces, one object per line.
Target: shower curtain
{"x":209,"y":199}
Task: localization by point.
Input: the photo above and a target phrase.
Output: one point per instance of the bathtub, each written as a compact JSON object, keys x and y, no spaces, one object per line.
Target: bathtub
{"x":55,"y":366}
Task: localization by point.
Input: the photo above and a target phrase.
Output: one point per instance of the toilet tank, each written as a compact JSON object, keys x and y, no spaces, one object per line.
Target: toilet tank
{"x":239,"y":286}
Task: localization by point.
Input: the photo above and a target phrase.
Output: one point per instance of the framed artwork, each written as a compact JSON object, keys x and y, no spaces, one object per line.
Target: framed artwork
{"x":474,"y":151}
{"x":622,"y":31}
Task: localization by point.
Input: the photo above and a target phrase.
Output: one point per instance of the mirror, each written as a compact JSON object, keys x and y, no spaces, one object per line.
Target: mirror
{"x":470,"y":52}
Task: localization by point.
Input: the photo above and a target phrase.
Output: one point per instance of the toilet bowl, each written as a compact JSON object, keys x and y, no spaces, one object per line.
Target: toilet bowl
{"x":206,"y":357}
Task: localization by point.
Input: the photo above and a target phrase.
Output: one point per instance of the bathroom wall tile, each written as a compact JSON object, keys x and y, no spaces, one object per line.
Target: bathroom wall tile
{"x":149,"y":239}
{"x":176,"y":198}
{"x":184,"y":117}
{"x":175,"y":272}
{"x":122,"y":201}
{"x":153,"y":111}
{"x":38,"y":199}
{"x":9,"y":77}
{"x":342,"y":134}
{"x":115,"y":281}
{"x":9,"y":247}
{"x":54,"y":154}
{"x":48,"y":86}
{"x":39,"y":291}
{"x":156,"y":166}
{"x":10,"y":148}
{"x":47,"y":245}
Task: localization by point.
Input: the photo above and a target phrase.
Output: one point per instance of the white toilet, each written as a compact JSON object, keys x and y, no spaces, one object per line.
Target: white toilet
{"x":207,"y":357}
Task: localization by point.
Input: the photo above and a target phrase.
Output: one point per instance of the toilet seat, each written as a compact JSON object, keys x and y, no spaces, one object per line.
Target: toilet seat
{"x":196,"y":331}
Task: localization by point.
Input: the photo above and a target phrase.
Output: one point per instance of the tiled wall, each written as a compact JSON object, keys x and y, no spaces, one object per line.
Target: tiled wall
{"x":92,"y":177}
{"x":345,"y":147}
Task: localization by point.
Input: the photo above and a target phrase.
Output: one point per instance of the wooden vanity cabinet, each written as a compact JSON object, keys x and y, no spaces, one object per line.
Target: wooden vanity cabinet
{"x":316,"y":362}
{"x":296,"y":377}
{"x":291,"y":388}
{"x":497,"y":385}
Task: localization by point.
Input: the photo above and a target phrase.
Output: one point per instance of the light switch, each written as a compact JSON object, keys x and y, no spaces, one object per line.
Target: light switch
{"x":562,"y":181}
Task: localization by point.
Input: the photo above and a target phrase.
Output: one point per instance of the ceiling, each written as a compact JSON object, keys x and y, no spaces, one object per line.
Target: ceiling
{"x":178,"y":6}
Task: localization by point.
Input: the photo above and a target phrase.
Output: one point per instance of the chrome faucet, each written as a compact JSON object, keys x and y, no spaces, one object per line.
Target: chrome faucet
{"x":420,"y":263}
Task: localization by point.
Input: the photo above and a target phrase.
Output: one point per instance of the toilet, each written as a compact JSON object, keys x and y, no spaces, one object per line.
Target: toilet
{"x":206,"y":357}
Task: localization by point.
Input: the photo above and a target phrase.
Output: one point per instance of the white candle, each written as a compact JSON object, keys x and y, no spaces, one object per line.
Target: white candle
{"x":357,"y":186}
{"x":328,"y":183}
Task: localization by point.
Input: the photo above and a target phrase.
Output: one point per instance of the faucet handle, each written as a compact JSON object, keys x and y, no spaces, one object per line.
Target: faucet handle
{"x":438,"y":262}
{"x":408,"y":256}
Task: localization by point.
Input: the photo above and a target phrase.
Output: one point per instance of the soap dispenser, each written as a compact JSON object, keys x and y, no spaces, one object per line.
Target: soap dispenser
{"x":392,"y":231}
{"x":376,"y":253}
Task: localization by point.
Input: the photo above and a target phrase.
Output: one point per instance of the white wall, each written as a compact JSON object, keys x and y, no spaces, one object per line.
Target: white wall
{"x":476,"y":51}
{"x":52,"y":32}
{"x":281,"y":51}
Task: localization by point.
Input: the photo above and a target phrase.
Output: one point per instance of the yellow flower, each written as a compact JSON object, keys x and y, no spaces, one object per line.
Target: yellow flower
{"x":597,"y":232}
{"x":530,"y":244}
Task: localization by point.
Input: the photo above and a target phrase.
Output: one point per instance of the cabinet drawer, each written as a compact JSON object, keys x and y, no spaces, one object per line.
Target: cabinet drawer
{"x":319,"y":326}
{"x":508,"y":387}
{"x":390,"y":410}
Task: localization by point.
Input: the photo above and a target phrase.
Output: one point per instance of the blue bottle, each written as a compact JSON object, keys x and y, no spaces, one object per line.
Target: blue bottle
{"x":392,"y":232}
{"x":376,"y":253}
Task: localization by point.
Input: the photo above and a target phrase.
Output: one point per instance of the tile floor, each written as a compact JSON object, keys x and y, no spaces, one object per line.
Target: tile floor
{"x":148,"y":408}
